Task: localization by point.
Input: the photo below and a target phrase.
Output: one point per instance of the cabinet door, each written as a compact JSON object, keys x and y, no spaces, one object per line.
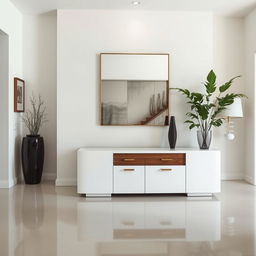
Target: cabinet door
{"x":94,"y":172}
{"x":203,"y":172}
{"x":165,"y":179}
{"x":129,"y":179}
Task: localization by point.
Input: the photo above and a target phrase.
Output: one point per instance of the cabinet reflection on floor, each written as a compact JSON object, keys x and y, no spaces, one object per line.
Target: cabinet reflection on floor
{"x":187,"y":220}
{"x":150,"y":226}
{"x":45,"y":220}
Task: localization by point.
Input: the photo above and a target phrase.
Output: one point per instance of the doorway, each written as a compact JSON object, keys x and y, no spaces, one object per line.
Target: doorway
{"x":4,"y":107}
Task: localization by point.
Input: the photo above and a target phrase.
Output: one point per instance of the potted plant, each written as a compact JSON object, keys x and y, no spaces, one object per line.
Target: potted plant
{"x":205,"y":108}
{"x":32,"y":151}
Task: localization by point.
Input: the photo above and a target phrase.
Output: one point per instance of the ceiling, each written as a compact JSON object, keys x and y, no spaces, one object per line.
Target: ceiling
{"x":236,"y":8}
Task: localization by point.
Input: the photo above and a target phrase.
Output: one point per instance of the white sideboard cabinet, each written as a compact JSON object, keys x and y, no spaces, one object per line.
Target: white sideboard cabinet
{"x":107,"y":171}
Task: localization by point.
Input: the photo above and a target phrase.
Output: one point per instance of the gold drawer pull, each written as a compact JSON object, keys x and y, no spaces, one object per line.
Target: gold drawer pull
{"x":129,"y":159}
{"x":166,"y":159}
{"x":165,"y":170}
{"x":129,"y":170}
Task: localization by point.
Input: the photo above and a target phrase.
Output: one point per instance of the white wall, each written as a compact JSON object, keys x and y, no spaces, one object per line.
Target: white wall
{"x":39,"y":60}
{"x":250,"y":51}
{"x":196,"y":42}
{"x":11,"y":24}
{"x":229,"y":62}
{"x":82,"y":35}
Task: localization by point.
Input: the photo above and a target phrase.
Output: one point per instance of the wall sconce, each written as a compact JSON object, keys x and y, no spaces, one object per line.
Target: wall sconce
{"x":233,"y":111}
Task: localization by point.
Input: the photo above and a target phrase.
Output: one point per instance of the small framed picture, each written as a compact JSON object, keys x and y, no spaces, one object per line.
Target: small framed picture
{"x":19,"y":95}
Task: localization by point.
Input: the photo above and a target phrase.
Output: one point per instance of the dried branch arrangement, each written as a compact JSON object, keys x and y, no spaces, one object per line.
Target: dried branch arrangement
{"x":36,"y":117}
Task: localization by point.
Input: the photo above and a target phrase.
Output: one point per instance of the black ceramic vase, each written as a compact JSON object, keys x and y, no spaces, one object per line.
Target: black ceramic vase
{"x":32,"y":155}
{"x":172,"y":134}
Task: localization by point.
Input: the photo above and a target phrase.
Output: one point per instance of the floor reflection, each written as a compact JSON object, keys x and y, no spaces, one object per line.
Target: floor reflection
{"x":132,"y":227}
{"x":32,"y":207}
{"x":45,"y":220}
{"x":171,"y":220}
{"x":32,"y":231}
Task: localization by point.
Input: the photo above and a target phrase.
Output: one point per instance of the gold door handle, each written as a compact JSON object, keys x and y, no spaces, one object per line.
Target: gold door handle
{"x":165,"y":170}
{"x":166,"y":159}
{"x":129,"y":159}
{"x":129,"y":170}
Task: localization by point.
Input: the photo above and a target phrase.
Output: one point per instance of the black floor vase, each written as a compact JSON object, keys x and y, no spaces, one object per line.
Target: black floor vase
{"x":172,"y":134}
{"x":32,"y":153}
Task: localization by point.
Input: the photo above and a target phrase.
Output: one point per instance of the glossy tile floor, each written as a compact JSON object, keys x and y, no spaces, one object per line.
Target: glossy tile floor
{"x":45,"y":220}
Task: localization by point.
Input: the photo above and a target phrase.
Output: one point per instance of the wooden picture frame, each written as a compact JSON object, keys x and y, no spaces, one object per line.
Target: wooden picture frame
{"x":19,"y":95}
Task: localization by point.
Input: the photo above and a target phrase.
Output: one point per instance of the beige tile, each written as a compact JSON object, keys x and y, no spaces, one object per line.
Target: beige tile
{"x":48,"y":220}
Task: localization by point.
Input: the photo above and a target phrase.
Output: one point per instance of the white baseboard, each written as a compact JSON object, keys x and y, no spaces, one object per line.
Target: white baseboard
{"x":49,"y":176}
{"x":4,"y":184}
{"x":65,"y":182}
{"x":232,"y":176}
{"x":8,"y":183}
{"x":13,"y":182}
{"x":249,"y":179}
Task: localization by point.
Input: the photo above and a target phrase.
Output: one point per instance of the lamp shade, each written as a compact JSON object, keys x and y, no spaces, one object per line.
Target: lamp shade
{"x":233,"y":110}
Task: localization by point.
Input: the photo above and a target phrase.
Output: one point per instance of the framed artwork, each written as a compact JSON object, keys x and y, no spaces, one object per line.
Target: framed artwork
{"x":134,"y":89}
{"x":19,"y":95}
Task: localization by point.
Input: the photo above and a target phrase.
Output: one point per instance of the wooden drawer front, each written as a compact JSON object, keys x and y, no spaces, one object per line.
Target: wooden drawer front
{"x":129,"y":179}
{"x":129,"y":159}
{"x":165,"y":179}
{"x":150,"y":159}
{"x":165,"y":159}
